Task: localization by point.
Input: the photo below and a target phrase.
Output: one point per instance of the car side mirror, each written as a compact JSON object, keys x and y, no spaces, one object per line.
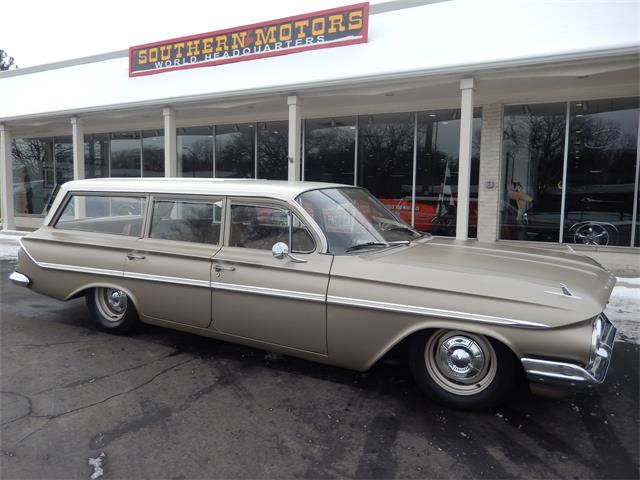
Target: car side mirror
{"x":280,"y":251}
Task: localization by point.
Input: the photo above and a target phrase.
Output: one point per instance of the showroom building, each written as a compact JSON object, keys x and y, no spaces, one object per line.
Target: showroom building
{"x":502,"y":122}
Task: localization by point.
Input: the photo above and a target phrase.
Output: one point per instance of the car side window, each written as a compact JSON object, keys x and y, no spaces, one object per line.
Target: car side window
{"x":187,"y":221}
{"x":116,"y":215}
{"x":260,"y":227}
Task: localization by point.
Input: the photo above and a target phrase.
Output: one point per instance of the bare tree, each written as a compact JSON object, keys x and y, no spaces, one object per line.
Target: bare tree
{"x":6,"y":62}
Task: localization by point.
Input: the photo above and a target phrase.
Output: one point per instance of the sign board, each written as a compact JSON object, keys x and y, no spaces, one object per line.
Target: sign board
{"x":329,"y":28}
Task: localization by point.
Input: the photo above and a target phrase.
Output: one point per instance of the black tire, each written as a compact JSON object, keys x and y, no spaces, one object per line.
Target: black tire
{"x":490,"y":386}
{"x":119,"y":316}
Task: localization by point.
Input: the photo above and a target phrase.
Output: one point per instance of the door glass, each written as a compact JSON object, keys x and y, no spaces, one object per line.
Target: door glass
{"x":103,"y":214}
{"x":187,"y":221}
{"x":260,"y":227}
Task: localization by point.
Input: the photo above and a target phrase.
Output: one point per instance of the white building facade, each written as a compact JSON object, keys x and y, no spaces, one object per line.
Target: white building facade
{"x":512,"y":122}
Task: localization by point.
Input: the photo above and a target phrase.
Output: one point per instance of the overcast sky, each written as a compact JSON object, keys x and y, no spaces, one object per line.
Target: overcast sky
{"x":36,"y":32}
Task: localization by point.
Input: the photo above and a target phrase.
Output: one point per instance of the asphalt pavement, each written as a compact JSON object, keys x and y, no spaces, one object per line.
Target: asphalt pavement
{"x":166,"y":404}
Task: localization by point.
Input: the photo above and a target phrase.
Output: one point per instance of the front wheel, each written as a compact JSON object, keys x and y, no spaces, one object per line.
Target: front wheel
{"x":462,"y":370}
{"x":112,"y":310}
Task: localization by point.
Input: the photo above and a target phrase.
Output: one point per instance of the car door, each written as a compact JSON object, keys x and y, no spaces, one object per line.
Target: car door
{"x":169,"y":269}
{"x":260,"y":297}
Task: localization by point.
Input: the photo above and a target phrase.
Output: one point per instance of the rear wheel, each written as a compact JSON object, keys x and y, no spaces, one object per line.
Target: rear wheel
{"x":461,"y":369}
{"x":112,"y":310}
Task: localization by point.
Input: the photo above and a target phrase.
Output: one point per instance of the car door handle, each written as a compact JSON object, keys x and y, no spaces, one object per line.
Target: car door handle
{"x":219,"y":268}
{"x":135,"y":256}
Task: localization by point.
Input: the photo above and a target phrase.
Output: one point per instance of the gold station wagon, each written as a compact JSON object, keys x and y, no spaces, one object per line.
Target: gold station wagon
{"x":323,"y":272}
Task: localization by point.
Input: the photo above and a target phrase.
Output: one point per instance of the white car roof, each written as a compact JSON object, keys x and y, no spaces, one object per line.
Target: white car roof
{"x":199,"y":186}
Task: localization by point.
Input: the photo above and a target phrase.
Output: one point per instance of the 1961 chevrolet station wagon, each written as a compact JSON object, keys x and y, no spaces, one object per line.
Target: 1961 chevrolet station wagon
{"x":323,"y":272}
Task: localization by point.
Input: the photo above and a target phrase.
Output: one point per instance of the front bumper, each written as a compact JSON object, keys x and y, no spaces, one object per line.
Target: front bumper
{"x":563,"y":373}
{"x":20,"y":279}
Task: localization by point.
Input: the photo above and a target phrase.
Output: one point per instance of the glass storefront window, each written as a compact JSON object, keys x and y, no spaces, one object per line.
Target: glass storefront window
{"x":195,"y":152}
{"x":385,"y":156}
{"x":533,"y":149}
{"x":386,"y":160}
{"x":33,"y":174}
{"x":235,"y":150}
{"x":437,"y":173}
{"x":273,"y":150}
{"x":329,"y":149}
{"x":125,"y":154}
{"x":601,"y":172}
{"x":63,"y":155}
{"x":96,"y":155}
{"x":153,"y":153}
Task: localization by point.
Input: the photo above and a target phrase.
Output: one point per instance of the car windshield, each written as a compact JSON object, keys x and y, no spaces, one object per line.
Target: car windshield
{"x":352,"y":219}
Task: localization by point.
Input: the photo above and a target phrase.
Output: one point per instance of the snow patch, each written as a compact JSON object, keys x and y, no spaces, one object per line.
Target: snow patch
{"x":96,"y":463}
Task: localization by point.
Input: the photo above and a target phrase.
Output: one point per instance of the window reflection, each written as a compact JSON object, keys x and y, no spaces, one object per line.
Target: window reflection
{"x":33,"y":173}
{"x":96,"y":155}
{"x":329,"y":149}
{"x":235,"y":150}
{"x":601,"y":173}
{"x":533,"y":146}
{"x":437,"y":173}
{"x":385,"y":155}
{"x":153,"y":153}
{"x":63,"y":154}
{"x":195,"y":152}
{"x":125,"y":154}
{"x":273,"y":150}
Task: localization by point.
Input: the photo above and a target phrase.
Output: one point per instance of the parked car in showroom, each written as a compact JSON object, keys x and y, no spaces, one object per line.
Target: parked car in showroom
{"x":327,"y":273}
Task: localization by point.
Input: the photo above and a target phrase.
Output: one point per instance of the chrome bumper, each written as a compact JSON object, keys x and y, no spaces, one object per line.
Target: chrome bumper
{"x":554,"y":372}
{"x":20,"y":279}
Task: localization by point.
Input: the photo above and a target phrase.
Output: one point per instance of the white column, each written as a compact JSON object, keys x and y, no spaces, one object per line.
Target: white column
{"x":295,"y":125}
{"x":464,"y":165}
{"x":6,"y":176}
{"x":77,"y":139}
{"x":170,"y":143}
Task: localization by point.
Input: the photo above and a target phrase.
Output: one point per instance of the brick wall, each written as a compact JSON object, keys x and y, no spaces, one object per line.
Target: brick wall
{"x":490,"y":170}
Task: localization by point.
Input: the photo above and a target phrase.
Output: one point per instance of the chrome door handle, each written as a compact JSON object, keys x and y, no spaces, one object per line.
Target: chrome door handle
{"x":135,"y":256}
{"x":219,"y":268}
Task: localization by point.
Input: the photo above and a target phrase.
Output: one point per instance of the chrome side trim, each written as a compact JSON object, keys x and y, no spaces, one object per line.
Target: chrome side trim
{"x":432,"y":312}
{"x":75,"y":268}
{"x":27,"y":251}
{"x":274,"y":292}
{"x":20,"y":279}
{"x":164,"y":279}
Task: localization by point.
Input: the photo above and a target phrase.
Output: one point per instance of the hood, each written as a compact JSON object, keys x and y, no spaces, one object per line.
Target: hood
{"x":520,"y":282}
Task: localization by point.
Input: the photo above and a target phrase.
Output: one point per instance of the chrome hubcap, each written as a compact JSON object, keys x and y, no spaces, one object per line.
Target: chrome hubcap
{"x":111,"y":302}
{"x":460,"y":358}
{"x":459,"y":362}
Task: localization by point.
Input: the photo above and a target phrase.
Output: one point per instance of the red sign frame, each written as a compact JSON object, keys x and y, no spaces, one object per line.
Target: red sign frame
{"x":362,"y":38}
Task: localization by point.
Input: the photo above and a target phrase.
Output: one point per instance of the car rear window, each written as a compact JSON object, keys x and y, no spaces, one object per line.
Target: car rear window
{"x":117,"y":215}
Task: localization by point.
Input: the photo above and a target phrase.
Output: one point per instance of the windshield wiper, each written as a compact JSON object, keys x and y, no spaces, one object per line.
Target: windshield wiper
{"x":366,"y":245}
{"x":376,"y":244}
